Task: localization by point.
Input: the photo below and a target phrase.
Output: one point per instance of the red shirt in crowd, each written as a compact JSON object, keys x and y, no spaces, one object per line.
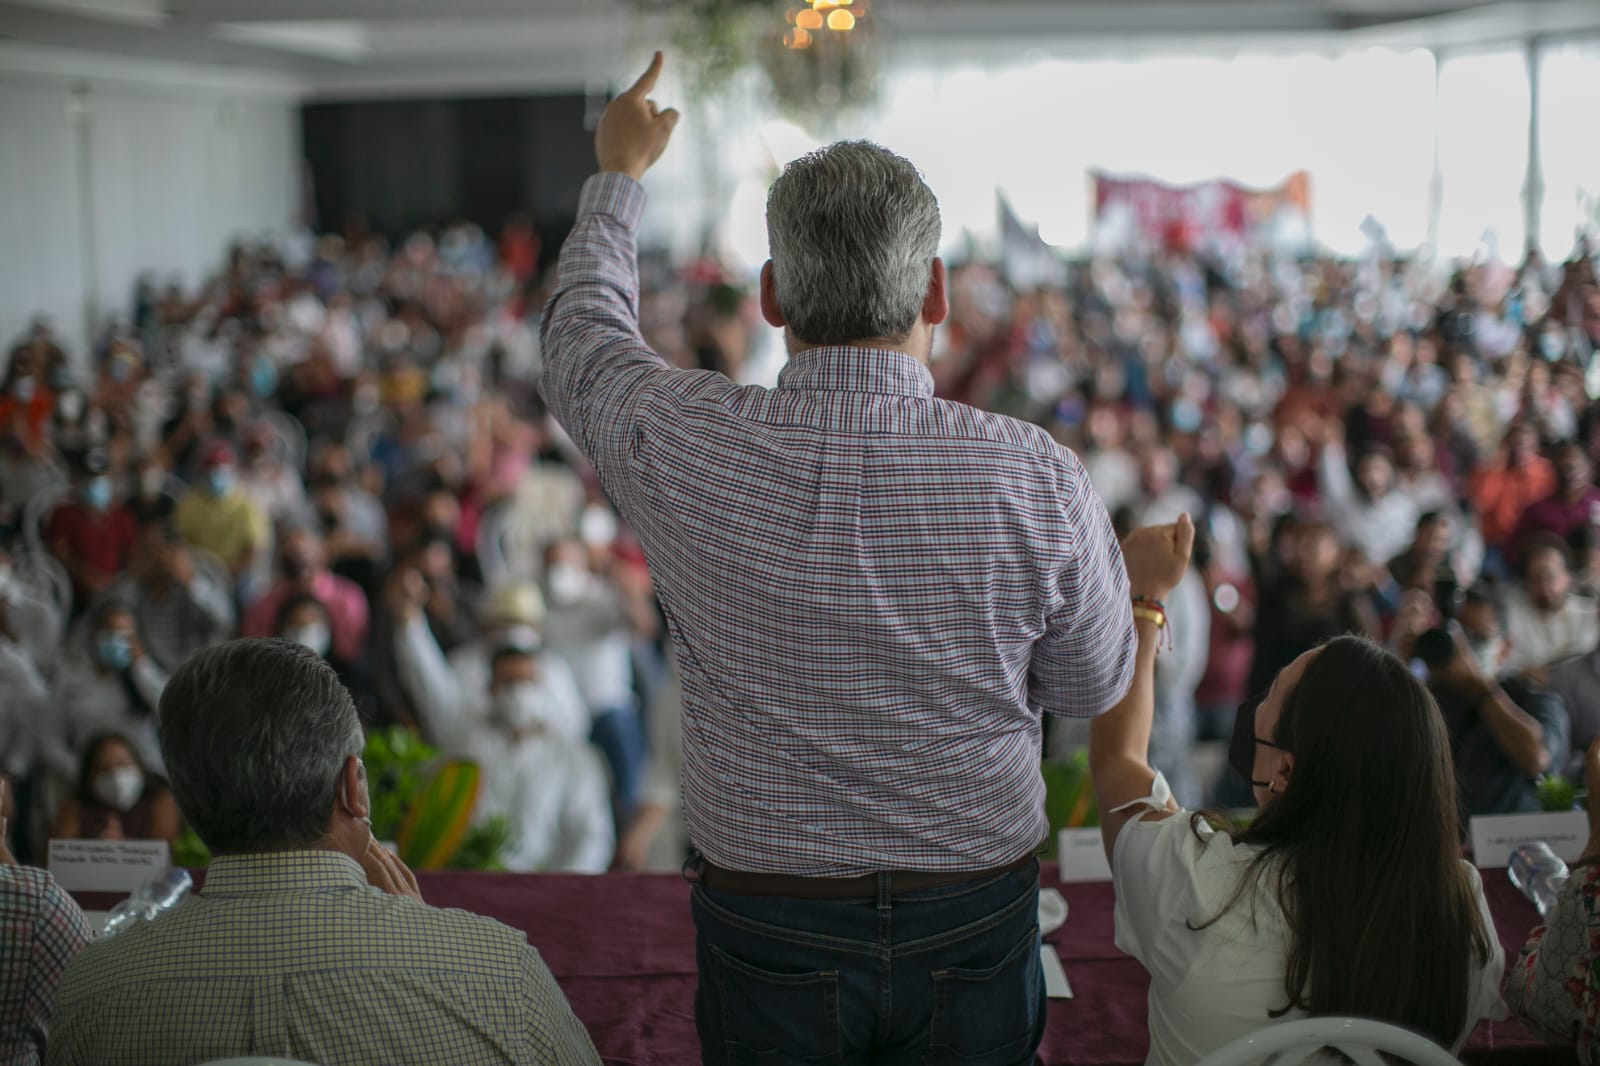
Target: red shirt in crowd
{"x":1501,"y":494}
{"x":1558,"y":515}
{"x":99,"y":540}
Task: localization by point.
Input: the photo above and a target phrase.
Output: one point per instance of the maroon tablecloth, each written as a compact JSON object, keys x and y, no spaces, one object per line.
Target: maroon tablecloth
{"x":622,"y":946}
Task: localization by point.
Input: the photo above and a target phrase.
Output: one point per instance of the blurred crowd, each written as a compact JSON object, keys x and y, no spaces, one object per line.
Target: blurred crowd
{"x":341,"y":443}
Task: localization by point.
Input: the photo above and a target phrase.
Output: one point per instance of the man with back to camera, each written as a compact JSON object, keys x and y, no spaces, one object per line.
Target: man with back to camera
{"x":873,"y":595}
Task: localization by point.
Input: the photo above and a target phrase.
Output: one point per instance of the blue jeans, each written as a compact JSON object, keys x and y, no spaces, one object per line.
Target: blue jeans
{"x":946,"y":975}
{"x":619,"y":734}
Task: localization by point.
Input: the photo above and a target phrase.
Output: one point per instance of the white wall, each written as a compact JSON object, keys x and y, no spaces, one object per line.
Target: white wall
{"x":153,"y":168}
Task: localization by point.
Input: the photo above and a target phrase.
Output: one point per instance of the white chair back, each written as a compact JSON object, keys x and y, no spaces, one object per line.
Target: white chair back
{"x":1364,"y":1041}
{"x":37,"y":509}
{"x":42,"y":575}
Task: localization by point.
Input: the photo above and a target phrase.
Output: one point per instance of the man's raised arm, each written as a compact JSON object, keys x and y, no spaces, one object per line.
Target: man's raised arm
{"x":596,"y":363}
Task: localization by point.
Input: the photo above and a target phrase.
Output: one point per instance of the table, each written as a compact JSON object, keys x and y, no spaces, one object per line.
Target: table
{"x":622,"y":946}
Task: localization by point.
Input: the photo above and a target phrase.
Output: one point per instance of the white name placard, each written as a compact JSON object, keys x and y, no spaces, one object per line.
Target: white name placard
{"x":1082,"y":856}
{"x":107,"y":865}
{"x":1056,"y":985}
{"x":1496,"y":836}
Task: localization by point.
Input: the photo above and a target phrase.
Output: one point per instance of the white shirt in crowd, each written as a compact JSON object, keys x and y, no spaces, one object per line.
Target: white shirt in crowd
{"x":586,"y":628}
{"x":1538,"y":638}
{"x":1381,"y":528}
{"x":1210,"y":986}
{"x":552,"y":785}
{"x":557,"y":795}
{"x":1114,"y":473}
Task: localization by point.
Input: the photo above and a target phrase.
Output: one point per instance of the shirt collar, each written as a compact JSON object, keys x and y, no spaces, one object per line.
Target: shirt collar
{"x":282,"y":871}
{"x":838,"y":368}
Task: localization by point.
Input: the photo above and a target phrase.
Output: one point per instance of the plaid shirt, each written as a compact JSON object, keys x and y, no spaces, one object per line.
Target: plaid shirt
{"x":293,"y":954}
{"x":40,"y":930}
{"x":874,"y":593}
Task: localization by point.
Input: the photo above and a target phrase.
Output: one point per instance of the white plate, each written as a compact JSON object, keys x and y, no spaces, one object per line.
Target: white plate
{"x":1052,"y":911}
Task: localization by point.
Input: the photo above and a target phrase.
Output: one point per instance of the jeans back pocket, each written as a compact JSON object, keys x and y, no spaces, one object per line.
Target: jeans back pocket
{"x":770,"y":1017}
{"x":989,"y":1014}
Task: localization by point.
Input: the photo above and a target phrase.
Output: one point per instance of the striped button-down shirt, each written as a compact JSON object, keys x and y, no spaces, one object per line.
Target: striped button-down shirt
{"x":293,"y":954}
{"x":41,"y":929}
{"x":874,"y":593}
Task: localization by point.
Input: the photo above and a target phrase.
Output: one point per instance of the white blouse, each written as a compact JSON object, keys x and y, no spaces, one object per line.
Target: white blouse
{"x":1211,"y":986}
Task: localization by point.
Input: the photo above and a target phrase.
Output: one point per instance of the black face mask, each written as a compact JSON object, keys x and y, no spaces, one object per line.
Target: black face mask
{"x":1242,"y":748}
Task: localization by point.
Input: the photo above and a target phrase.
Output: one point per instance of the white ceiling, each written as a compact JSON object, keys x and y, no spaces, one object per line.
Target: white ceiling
{"x":344,"y":48}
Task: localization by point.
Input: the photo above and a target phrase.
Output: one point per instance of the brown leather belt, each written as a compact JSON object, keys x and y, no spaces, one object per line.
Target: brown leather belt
{"x":739,"y":883}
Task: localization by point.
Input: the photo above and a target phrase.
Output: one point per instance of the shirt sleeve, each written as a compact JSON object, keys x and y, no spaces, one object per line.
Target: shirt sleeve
{"x":596,"y":364}
{"x":1552,"y":985}
{"x":426,"y":679}
{"x":1084,"y":662}
{"x":59,"y":932}
{"x":1154,"y":870}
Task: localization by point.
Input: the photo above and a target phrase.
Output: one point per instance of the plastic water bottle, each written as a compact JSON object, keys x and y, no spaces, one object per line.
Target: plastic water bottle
{"x":149,"y":901}
{"x":1539,"y":873}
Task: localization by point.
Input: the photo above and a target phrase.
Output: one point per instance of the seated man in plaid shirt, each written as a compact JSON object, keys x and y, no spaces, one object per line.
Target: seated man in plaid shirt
{"x":310,"y":941}
{"x":41,"y":929}
{"x":874,"y":596}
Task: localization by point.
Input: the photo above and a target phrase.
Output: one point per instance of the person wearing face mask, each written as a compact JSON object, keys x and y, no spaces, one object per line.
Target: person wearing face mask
{"x":179,"y":608}
{"x":263,"y":749}
{"x":107,"y":684}
{"x":26,"y":400}
{"x":153,"y":500}
{"x":117,"y":798}
{"x":551,"y":786}
{"x":449,"y":695}
{"x":586,"y":625}
{"x":1345,"y":896}
{"x":305,"y":573}
{"x":218,"y":516}
{"x":93,"y":533}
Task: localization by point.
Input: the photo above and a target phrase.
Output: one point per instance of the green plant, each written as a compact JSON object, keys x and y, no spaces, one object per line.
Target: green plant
{"x":1068,"y":797}
{"x":483,"y":845}
{"x":397,"y":762}
{"x":717,"y":41}
{"x":400,"y":769}
{"x":1556,"y":793}
{"x":189,"y":851}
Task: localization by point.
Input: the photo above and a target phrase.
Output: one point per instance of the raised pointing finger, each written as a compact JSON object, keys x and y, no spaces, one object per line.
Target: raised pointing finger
{"x":647,"y":80}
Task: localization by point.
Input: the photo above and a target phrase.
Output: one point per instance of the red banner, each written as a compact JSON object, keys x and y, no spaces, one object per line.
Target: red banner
{"x":1147,"y":212}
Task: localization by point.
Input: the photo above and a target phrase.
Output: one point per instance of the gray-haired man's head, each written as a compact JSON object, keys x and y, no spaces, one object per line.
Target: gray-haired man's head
{"x":853,"y":231}
{"x":258,"y":737}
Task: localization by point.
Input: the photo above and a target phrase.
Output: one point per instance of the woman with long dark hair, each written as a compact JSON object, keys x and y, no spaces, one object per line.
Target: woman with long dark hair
{"x":1345,"y":896}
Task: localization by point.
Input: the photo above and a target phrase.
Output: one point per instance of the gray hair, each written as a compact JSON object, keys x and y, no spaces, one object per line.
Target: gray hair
{"x":255,"y":734}
{"x":853,"y":231}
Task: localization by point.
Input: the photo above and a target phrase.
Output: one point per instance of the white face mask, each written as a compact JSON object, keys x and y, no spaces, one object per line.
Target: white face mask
{"x":519,"y":706}
{"x":153,"y":481}
{"x":120,"y":788}
{"x":568,"y":583}
{"x":598,"y":527}
{"x":314,"y":636}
